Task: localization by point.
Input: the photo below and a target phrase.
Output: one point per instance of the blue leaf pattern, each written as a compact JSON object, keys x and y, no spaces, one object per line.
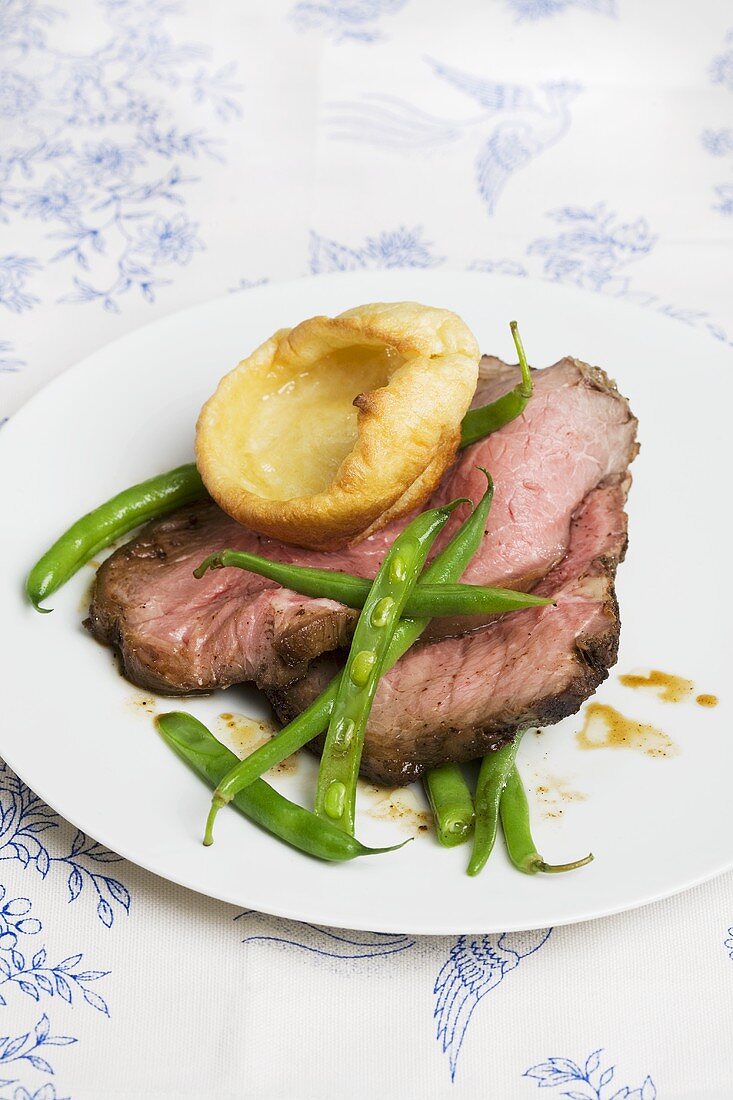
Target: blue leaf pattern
{"x":401,"y":247}
{"x":557,"y":1073}
{"x":728,"y":943}
{"x":14,"y":922}
{"x":15,"y":272}
{"x":36,"y":977}
{"x":23,"y":816}
{"x":119,"y":892}
{"x":344,"y":20}
{"x":105,"y":913}
{"x":724,"y":198}
{"x":593,"y":248}
{"x":719,"y":143}
{"x":9,"y":362}
{"x":23,"y":24}
{"x":112,"y":207}
{"x":75,"y":884}
{"x":23,"y":1047}
{"x":247,"y":284}
{"x":543,"y":9}
{"x":721,"y":68}
{"x":62,"y":987}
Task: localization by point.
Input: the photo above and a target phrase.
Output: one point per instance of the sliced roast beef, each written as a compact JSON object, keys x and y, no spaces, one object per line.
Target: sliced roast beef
{"x":179,"y":635}
{"x":576,"y":433}
{"x":458,"y":698}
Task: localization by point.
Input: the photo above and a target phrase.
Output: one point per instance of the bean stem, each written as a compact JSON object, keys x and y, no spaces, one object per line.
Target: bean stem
{"x":518,"y":835}
{"x":451,"y":803}
{"x":526,"y":386}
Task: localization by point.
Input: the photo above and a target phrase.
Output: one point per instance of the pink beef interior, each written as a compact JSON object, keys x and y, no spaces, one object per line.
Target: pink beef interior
{"x":178,"y":635}
{"x":458,"y":698}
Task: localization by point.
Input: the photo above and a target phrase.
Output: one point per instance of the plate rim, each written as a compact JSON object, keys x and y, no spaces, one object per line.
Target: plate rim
{"x":549,"y":285}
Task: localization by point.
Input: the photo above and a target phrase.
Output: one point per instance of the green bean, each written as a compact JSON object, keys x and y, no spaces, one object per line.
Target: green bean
{"x":425,"y":599}
{"x":451,"y":803}
{"x":445,"y":568}
{"x":478,"y":423}
{"x":108,"y":522}
{"x":193,"y":742}
{"x":397,"y":576}
{"x":492,"y":778}
{"x":518,"y":835}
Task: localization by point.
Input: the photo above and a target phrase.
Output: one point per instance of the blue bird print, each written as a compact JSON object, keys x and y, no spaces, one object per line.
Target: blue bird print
{"x":516,"y":123}
{"x":474,"y":967}
{"x":327,"y":942}
{"x":529,"y":123}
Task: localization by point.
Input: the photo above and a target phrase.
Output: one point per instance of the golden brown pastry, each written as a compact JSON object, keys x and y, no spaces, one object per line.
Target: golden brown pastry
{"x":333,"y":428}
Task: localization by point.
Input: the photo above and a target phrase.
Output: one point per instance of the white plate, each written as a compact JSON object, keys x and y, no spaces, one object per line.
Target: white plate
{"x":84,"y":740}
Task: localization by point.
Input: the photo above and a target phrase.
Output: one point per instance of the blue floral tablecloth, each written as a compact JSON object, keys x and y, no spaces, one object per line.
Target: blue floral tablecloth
{"x":155,"y":154}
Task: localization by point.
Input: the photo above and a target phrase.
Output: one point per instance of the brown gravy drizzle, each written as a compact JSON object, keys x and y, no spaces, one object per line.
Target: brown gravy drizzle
{"x":606,"y":728}
{"x":554,"y":793}
{"x":669,"y":688}
{"x":245,"y":734}
{"x":396,"y":805}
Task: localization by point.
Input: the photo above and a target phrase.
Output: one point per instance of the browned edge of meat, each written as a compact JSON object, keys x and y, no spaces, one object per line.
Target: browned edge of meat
{"x":531,"y":684}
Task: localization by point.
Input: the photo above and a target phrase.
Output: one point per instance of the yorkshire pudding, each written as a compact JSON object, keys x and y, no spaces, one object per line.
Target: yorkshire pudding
{"x":333,"y":428}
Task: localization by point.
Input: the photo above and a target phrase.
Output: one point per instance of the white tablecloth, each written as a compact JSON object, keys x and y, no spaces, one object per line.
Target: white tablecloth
{"x":155,"y":154}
